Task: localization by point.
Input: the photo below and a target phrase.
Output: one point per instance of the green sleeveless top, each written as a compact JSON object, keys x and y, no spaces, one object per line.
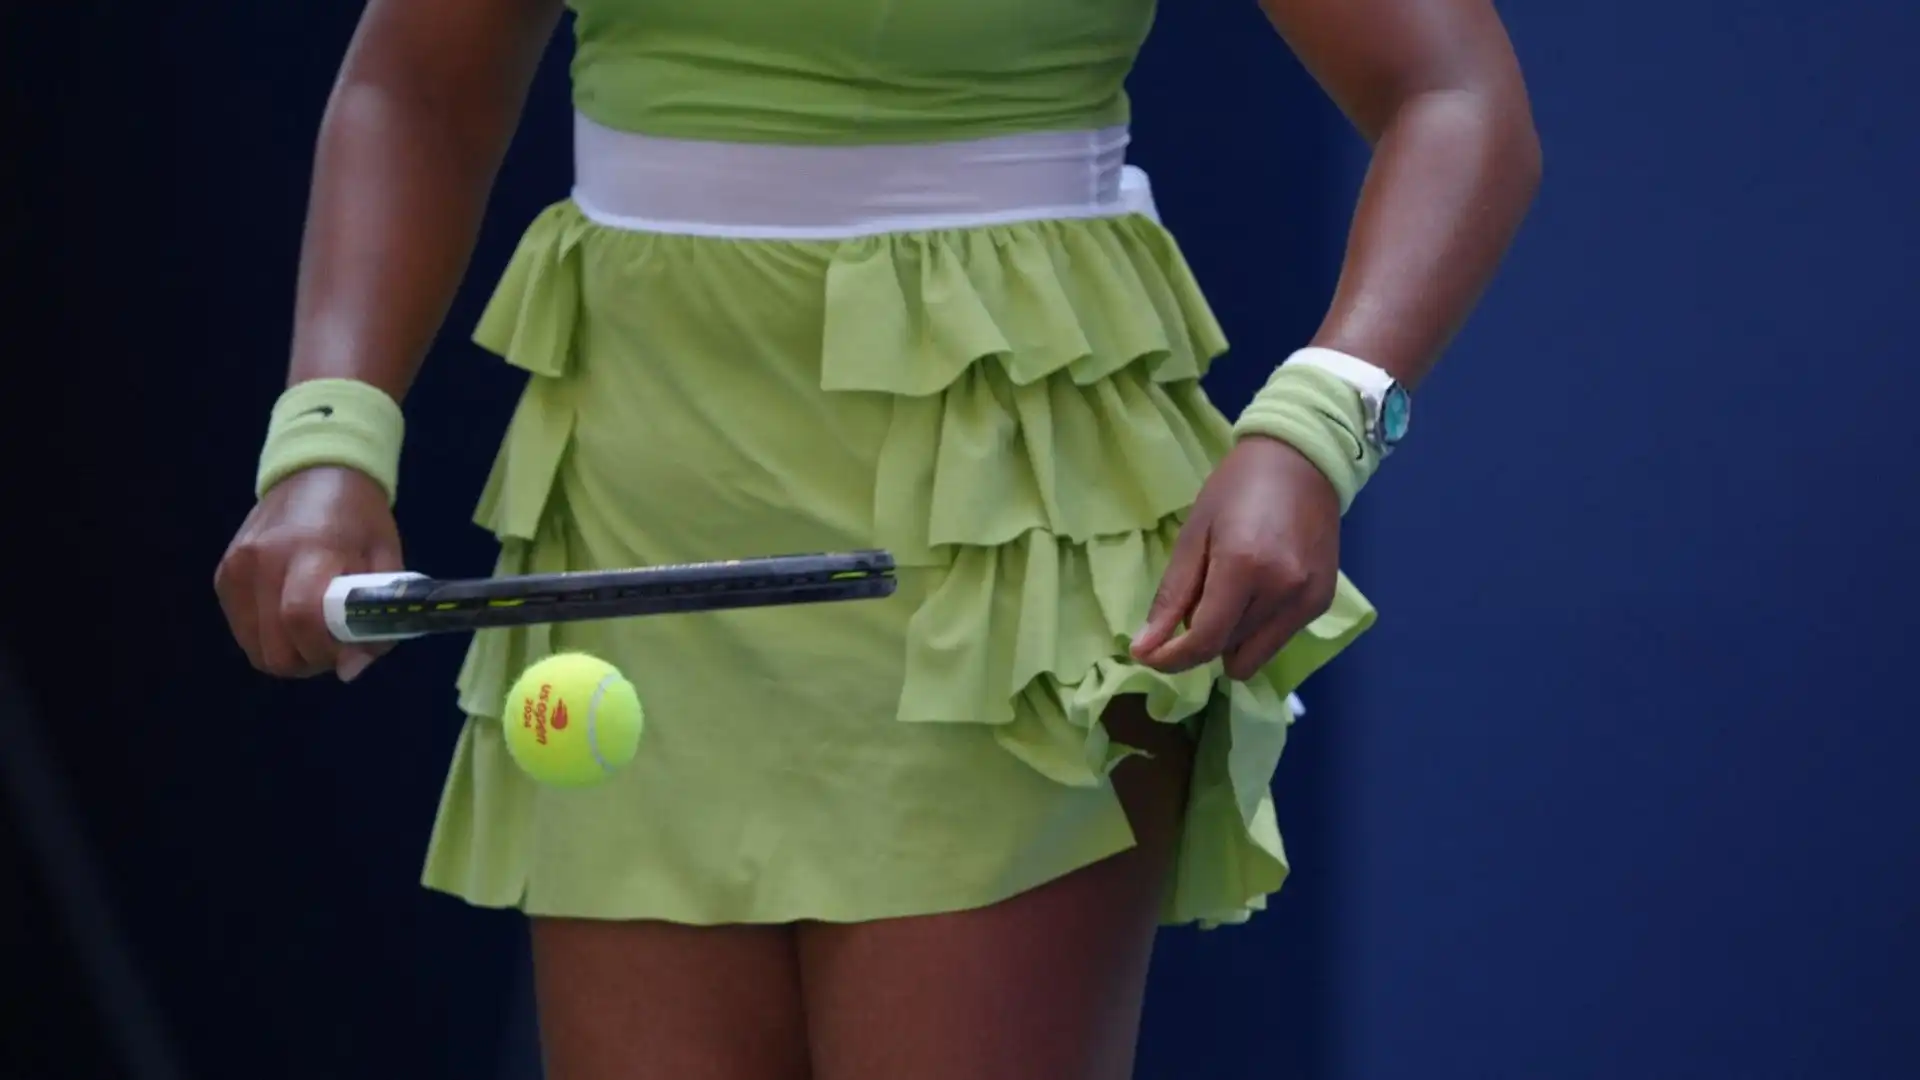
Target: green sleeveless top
{"x":854,"y":71}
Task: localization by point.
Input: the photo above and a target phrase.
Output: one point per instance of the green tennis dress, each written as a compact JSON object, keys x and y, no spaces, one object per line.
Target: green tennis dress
{"x":1013,"y":409}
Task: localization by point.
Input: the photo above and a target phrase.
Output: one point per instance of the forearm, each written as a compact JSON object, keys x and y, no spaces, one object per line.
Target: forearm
{"x":406,"y":158}
{"x":389,"y":230}
{"x":1452,"y":176}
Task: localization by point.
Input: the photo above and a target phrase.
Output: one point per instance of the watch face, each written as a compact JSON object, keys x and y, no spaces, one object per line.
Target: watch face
{"x":1396,"y":415}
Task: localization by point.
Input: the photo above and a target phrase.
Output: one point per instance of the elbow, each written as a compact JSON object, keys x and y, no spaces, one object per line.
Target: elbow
{"x":1519,"y":162}
{"x":1507,"y":115}
{"x":1523,"y":153}
{"x":1490,"y":127}
{"x":1499,"y":122}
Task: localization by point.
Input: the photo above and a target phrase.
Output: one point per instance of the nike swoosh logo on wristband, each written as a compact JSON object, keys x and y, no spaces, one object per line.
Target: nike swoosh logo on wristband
{"x":1340,"y":424}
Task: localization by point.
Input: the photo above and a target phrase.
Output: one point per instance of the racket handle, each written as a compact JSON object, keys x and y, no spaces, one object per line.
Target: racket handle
{"x":335,"y":603}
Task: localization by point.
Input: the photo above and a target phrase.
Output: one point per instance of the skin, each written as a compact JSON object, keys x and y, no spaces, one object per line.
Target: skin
{"x":428,"y":98}
{"x":1434,"y":87}
{"x":1044,"y":986}
{"x":1047,"y":984}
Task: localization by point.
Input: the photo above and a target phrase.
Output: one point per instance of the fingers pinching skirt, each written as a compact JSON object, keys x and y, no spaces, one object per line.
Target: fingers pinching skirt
{"x":1015,"y":412}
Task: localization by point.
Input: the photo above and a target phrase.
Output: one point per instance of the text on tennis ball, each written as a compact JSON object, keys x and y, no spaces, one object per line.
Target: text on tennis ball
{"x":535,"y":717}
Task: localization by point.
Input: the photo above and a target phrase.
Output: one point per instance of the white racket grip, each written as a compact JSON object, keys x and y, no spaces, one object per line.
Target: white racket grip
{"x":335,"y":603}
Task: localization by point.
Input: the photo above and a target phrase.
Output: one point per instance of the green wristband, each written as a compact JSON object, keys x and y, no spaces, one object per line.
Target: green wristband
{"x":340,"y":422}
{"x":1320,"y":416}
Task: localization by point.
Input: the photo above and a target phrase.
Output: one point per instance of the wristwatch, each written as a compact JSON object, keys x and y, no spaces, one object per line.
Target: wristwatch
{"x":1389,"y":408}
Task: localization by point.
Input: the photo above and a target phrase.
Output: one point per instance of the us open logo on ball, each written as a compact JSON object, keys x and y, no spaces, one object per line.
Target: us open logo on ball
{"x":535,"y":718}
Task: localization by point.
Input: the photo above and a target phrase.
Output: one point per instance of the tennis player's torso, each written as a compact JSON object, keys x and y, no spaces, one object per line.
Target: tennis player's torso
{"x":854,"y":71}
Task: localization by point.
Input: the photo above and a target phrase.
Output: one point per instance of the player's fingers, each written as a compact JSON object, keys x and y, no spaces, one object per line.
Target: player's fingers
{"x":382,"y":557}
{"x":233,"y":586}
{"x":1298,"y":606}
{"x":1260,"y":610}
{"x":1179,"y":589}
{"x":302,"y":613}
{"x":277,"y":654}
{"x":1245,"y":660}
{"x":1225,"y":594}
{"x":354,"y":660}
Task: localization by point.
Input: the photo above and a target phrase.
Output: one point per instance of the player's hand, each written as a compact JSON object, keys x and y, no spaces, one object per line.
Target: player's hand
{"x":1257,"y":561}
{"x":311,"y":527}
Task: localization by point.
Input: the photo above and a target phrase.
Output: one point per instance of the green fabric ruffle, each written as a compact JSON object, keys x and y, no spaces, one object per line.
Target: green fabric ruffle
{"x":1048,"y":433}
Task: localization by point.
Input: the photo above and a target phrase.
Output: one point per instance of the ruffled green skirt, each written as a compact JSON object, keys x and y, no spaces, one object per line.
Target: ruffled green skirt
{"x":1015,"y":412}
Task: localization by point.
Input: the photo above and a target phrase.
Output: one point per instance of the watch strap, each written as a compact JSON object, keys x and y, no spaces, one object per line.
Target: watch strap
{"x":1375,"y":382}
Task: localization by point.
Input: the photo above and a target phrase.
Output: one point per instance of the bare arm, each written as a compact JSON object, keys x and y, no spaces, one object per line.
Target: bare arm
{"x":426,"y":103}
{"x":1434,"y":86}
{"x":425,"y":106}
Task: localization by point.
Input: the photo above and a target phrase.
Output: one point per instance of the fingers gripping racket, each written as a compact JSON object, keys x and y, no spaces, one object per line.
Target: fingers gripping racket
{"x":393,"y":606}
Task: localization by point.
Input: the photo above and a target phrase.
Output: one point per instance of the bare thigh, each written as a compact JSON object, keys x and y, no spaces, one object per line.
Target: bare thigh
{"x":1044,"y":986}
{"x":658,"y":1001}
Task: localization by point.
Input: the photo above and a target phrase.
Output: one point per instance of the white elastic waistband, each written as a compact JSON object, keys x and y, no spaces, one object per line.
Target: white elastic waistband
{"x":756,"y":190}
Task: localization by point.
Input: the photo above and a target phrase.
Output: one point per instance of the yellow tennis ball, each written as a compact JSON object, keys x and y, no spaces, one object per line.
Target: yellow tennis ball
{"x":572,"y":720}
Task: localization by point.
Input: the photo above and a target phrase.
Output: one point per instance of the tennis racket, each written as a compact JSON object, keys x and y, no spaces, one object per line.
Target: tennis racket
{"x":393,"y":606}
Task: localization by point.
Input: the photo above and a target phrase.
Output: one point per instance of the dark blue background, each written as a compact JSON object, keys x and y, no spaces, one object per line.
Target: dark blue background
{"x":1626,"y":783}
